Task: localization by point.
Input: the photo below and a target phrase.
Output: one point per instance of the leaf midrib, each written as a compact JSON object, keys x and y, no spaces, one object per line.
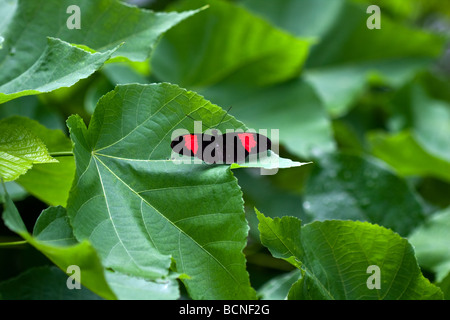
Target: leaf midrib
{"x":164,"y":217}
{"x":110,"y":216}
{"x":303,"y":266}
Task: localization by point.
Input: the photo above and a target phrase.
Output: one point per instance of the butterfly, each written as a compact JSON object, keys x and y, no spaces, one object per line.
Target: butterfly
{"x":219,"y":148}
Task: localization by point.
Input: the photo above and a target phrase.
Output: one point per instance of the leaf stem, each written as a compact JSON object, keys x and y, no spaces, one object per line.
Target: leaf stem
{"x":61,"y":154}
{"x":12,"y":243}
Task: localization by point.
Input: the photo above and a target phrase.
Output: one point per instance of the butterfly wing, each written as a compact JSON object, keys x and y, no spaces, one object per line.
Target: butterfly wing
{"x":239,"y":145}
{"x":263,"y":143}
{"x":227,"y":148}
{"x":190,"y":145}
{"x":213,"y":148}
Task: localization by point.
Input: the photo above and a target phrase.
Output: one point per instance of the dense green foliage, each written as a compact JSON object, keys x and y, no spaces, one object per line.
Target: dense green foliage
{"x":352,"y":202}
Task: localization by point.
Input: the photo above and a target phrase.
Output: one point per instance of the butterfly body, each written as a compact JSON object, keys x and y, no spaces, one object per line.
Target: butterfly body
{"x":226,"y":148}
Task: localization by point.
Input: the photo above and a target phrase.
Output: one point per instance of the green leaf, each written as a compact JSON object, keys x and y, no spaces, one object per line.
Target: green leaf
{"x":445,"y":286}
{"x":8,"y":9}
{"x":261,"y":192}
{"x":278,"y":287}
{"x":341,"y":67}
{"x":411,"y":9}
{"x":219,"y":49}
{"x":34,"y":108}
{"x":53,"y":227}
{"x":335,"y":256}
{"x":52,"y":238}
{"x":430,"y":241}
{"x":347,"y":137}
{"x":426,"y":117}
{"x":437,"y":86}
{"x":270,"y":162}
{"x":55,"y":140}
{"x":139,"y":208}
{"x":292,"y":107}
{"x":339,"y":86}
{"x":32,"y":54}
{"x":123,"y":73}
{"x":406,"y":155}
{"x":344,"y":186}
{"x":306,"y":18}
{"x":271,"y":234}
{"x":250,"y":76}
{"x":48,"y":182}
{"x":15,"y":191}
{"x":19,"y":150}
{"x":42,"y":283}
{"x":80,"y":64}
{"x":342,"y":64}
{"x":128,"y":287}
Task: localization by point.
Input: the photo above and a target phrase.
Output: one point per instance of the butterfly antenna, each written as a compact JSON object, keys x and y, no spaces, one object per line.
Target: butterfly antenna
{"x":197,"y":120}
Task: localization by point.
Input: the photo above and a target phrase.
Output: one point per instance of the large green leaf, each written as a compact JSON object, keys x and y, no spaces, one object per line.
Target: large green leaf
{"x":339,"y":86}
{"x":406,"y":156}
{"x":344,"y":186}
{"x":8,"y":9}
{"x":303,"y":18}
{"x":20,"y":148}
{"x":346,"y":47}
{"x":410,"y":9}
{"x":55,"y":240}
{"x":431,"y":241}
{"x":427,"y":118}
{"x":334,"y":257}
{"x":342,"y":63}
{"x":137,"y":206}
{"x":239,"y":75}
{"x":292,"y":107}
{"x":278,"y":287}
{"x":270,"y":162}
{"x":32,"y":107}
{"x":50,"y":182}
{"x":79,"y":64}
{"x":445,"y":286}
{"x":53,"y":236}
{"x":53,"y":228}
{"x":220,"y":49}
{"x":42,"y":283}
{"x":260,"y":191}
{"x":31,"y":63}
{"x":340,"y":67}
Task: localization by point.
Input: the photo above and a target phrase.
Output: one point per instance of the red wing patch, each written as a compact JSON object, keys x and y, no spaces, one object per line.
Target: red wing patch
{"x":191,"y":142}
{"x":247,"y":140}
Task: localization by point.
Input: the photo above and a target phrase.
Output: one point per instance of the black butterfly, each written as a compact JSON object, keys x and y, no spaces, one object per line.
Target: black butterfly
{"x":221,"y":148}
